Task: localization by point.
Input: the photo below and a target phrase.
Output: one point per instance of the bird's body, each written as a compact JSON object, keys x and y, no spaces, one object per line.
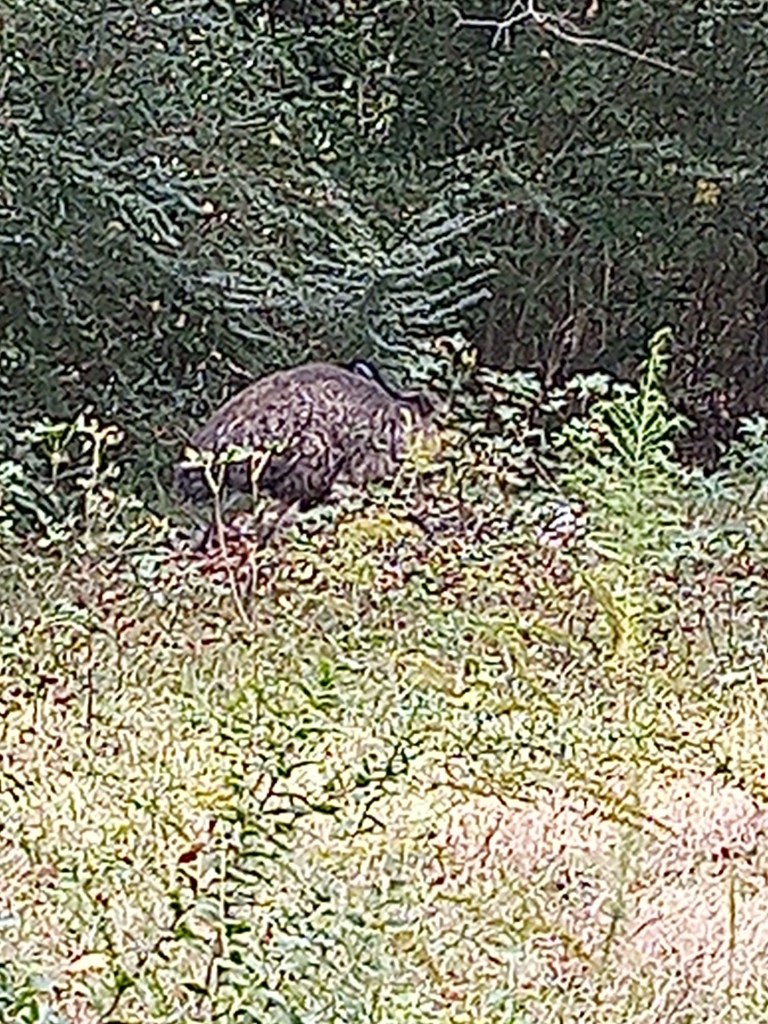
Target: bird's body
{"x":302,"y":430}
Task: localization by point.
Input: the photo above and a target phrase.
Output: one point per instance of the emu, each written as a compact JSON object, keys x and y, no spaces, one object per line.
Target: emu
{"x":297,"y":432}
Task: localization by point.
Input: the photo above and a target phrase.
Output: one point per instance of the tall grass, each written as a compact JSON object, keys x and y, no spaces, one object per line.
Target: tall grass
{"x":456,"y":776}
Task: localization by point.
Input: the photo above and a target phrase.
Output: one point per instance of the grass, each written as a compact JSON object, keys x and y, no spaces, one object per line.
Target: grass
{"x":398,"y":779}
{"x":494,"y":773}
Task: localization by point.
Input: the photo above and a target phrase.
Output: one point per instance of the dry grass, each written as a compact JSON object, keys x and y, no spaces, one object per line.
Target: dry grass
{"x":400,"y":778}
{"x":662,"y":876}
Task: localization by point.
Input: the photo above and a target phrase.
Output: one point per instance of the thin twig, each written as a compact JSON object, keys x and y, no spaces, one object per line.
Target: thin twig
{"x":550,"y":24}
{"x":553,"y":25}
{"x":515,"y":16}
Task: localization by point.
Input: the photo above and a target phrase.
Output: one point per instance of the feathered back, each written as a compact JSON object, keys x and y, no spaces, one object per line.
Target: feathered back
{"x":307,"y":428}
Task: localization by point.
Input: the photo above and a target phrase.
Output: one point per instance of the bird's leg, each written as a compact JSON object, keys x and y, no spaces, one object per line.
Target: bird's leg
{"x":287,"y":509}
{"x":202,"y":540}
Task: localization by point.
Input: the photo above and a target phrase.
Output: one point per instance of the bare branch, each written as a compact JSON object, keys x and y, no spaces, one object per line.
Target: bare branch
{"x":519,"y":12}
{"x":553,"y":25}
{"x":558,"y":27}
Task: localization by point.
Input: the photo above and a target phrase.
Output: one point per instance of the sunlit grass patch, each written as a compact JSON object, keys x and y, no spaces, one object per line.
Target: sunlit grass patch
{"x":358,"y":804}
{"x":487,"y":767}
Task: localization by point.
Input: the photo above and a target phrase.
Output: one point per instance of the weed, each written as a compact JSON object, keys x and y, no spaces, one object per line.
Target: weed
{"x":446,"y":774}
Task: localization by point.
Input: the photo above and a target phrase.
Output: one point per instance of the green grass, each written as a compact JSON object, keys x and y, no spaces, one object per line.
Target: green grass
{"x":397,"y":779}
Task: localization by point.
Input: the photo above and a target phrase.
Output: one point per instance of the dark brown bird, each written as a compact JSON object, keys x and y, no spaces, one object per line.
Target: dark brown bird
{"x":297,"y":432}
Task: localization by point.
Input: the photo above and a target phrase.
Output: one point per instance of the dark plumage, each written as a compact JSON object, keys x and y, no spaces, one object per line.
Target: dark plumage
{"x":303,"y":430}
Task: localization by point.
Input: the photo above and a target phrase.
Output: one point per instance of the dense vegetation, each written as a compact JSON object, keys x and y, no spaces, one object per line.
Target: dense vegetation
{"x":195,"y":191}
{"x":508,"y":768}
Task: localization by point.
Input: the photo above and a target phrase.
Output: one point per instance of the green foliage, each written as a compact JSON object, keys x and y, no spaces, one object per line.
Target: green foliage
{"x":619,"y":463}
{"x":748,"y":455}
{"x":203,"y":214}
{"x":620,"y":460}
{"x":25,"y":1003}
{"x":194,"y":193}
{"x":62,"y":483}
{"x":379,"y":772}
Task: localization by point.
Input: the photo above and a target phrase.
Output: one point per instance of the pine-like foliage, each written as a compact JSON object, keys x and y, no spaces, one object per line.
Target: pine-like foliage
{"x":193,"y":190}
{"x":191,"y":197}
{"x":619,"y":463}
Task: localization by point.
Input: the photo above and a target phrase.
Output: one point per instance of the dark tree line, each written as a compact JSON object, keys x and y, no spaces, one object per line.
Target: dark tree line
{"x":194,"y":192}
